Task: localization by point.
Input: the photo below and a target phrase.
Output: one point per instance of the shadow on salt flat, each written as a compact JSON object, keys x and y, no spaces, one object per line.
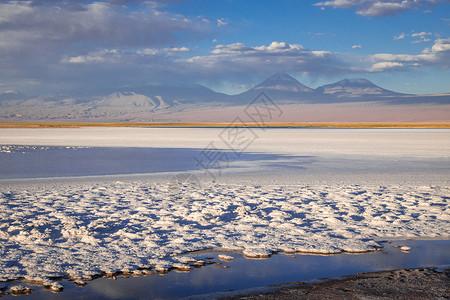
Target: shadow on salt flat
{"x":243,"y":273}
{"x":56,"y":161}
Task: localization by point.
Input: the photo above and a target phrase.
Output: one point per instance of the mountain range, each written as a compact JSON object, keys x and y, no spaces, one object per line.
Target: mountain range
{"x":142,"y":102}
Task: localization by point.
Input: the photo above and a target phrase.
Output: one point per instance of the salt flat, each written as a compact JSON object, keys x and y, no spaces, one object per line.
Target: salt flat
{"x":380,"y":142}
{"x":315,"y":192}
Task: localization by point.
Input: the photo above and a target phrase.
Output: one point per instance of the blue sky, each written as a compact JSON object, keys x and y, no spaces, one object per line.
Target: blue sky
{"x":58,"y":46}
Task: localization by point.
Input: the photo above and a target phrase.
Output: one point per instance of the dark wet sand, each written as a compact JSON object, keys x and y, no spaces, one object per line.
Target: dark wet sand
{"x":418,"y":283}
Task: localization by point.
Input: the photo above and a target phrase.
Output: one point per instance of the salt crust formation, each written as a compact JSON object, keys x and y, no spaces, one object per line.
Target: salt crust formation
{"x":81,"y":230}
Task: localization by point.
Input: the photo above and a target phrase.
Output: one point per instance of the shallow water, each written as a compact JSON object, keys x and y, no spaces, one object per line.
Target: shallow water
{"x":390,"y":155}
{"x":56,"y":161}
{"x":210,"y":281}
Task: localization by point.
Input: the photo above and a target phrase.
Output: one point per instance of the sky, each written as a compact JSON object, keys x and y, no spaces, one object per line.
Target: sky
{"x":60,"y":46}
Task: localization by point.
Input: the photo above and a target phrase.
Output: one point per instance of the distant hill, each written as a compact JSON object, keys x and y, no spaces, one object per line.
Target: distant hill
{"x":129,"y":103}
{"x":12,"y":95}
{"x":355,"y":88}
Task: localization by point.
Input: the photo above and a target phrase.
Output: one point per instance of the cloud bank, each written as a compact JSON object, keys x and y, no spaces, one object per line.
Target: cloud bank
{"x":437,"y":55}
{"x":40,"y":39}
{"x":49,"y":46}
{"x":379,"y":8}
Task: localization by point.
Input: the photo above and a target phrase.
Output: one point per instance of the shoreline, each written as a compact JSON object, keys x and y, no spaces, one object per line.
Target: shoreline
{"x":368,"y":280}
{"x":226,"y":124}
{"x":407,"y":283}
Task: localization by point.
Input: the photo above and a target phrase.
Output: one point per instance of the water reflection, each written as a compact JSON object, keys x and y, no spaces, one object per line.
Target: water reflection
{"x":245,"y":273}
{"x":55,"y":161}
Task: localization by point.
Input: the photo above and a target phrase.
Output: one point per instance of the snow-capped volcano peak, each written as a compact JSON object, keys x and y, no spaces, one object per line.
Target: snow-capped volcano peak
{"x":360,"y":82}
{"x":12,"y":95}
{"x":282,"y":82}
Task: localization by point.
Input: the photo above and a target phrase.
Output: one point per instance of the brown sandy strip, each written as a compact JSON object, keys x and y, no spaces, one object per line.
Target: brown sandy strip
{"x":267,"y":125}
{"x":419,"y":283}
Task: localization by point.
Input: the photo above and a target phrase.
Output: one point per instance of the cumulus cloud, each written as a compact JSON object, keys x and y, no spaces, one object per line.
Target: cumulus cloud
{"x":421,"y":41}
{"x":441,"y":46}
{"x":222,"y":22}
{"x":386,"y":65}
{"x":378,"y":8}
{"x":121,"y":56}
{"x":238,"y":58}
{"x":400,"y":36}
{"x":437,"y":55}
{"x":356,"y":47}
{"x":109,"y":56}
{"x":423,"y":37}
{"x":421,"y":34}
{"x":178,"y":49}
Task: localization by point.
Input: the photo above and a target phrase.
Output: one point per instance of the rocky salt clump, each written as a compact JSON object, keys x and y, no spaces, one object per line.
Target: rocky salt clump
{"x":19,"y":290}
{"x":257,"y":253}
{"x":56,"y":287}
{"x":225,"y":257}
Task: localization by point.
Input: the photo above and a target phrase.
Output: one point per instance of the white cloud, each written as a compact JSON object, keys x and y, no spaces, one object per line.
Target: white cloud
{"x":441,"y":45}
{"x":384,"y":66}
{"x":238,"y":58}
{"x":421,"y":41}
{"x":280,"y":47}
{"x":147,"y":51}
{"x":110,"y":56}
{"x":222,"y":22}
{"x":378,"y":8}
{"x":115,"y":56}
{"x":356,"y":46}
{"x":337,"y":3}
{"x":236,"y":47}
{"x":401,"y":36}
{"x":438,"y":55}
{"x":421,"y":34}
{"x":423,"y":37}
{"x":178,"y":49}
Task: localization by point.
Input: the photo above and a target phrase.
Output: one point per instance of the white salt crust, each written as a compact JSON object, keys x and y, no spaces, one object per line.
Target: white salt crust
{"x":85,"y":229}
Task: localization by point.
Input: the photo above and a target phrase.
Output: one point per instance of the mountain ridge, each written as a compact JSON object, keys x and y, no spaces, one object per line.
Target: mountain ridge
{"x":151,"y":99}
{"x":277,"y":83}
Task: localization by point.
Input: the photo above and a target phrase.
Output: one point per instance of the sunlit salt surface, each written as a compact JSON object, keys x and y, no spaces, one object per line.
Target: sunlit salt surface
{"x":81,"y":203}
